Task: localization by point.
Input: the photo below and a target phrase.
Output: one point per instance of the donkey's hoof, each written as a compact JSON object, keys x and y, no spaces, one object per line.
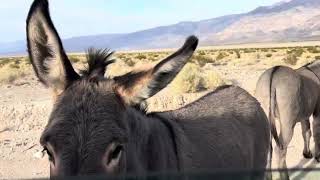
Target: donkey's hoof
{"x":307,"y":155}
{"x":317,"y":158}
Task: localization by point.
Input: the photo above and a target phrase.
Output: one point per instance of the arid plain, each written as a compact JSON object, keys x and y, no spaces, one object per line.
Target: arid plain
{"x":25,"y":104}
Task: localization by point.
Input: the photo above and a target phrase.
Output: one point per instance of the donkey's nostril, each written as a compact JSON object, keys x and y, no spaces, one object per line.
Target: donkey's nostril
{"x":112,"y":157}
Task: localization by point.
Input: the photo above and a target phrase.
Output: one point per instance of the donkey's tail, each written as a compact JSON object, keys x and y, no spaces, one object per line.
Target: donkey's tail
{"x":272,"y":106}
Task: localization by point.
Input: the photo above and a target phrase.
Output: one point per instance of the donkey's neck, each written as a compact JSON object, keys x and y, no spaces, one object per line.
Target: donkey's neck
{"x":151,"y":144}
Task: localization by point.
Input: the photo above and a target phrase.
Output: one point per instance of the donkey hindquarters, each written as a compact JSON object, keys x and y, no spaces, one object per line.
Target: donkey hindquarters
{"x":289,"y":96}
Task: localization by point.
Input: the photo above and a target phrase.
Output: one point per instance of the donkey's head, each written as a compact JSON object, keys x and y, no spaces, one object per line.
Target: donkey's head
{"x":88,"y":130}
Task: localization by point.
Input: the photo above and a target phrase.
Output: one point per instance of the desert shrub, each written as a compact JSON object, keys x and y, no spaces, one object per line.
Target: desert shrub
{"x":17,"y":61}
{"x":11,"y":72}
{"x":74,"y":59}
{"x":317,"y":57}
{"x":299,"y":51}
{"x":212,"y":51}
{"x":211,"y":79}
{"x":122,"y":56}
{"x":274,"y":50}
{"x":292,"y":55}
{"x":221,"y":56}
{"x":141,"y":56}
{"x":153,"y":57}
{"x":129,"y":62}
{"x":10,"y":77}
{"x":26,"y":60}
{"x":14,"y":66}
{"x":268,"y":55}
{"x":296,"y":51}
{"x":117,"y":69}
{"x":201,"y":60}
{"x":189,"y":80}
{"x":202,"y":53}
{"x":193,"y":78}
{"x":238,"y":54}
{"x":291,"y":59}
{"x":313,"y":49}
{"x":265,"y":50}
{"x":249,"y":50}
{"x":258,"y":56}
{"x":4,"y":61}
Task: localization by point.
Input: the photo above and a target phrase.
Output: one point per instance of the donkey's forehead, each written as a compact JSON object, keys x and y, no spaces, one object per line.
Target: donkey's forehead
{"x":91,"y":99}
{"x":80,"y":131}
{"x":99,"y":86}
{"x":85,"y":113}
{"x":88,"y":104}
{"x":91,"y":91}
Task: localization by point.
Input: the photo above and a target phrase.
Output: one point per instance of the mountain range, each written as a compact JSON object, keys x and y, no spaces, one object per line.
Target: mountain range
{"x":289,"y":20}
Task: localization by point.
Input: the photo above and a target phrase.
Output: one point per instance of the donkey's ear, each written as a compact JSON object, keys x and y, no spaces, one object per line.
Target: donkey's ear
{"x":134,"y":88}
{"x":45,"y":49}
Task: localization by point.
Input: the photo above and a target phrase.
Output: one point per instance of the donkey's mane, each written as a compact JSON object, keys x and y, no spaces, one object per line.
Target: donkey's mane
{"x":98,"y":60}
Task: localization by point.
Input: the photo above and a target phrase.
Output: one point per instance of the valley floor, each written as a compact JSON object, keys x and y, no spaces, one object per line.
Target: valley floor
{"x":26,"y":104}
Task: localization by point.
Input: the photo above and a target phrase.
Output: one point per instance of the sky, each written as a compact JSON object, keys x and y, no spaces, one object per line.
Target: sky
{"x":88,"y":17}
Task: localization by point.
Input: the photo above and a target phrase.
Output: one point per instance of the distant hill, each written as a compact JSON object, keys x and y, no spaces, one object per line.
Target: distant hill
{"x":290,"y":20}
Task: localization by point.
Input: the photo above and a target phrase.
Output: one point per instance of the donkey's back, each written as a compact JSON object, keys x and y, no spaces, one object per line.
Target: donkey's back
{"x":226,"y":129}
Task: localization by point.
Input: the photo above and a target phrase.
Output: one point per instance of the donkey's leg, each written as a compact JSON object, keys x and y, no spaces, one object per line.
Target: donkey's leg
{"x":269,"y":163}
{"x":306,"y":133}
{"x":285,"y":136}
{"x":316,"y":136}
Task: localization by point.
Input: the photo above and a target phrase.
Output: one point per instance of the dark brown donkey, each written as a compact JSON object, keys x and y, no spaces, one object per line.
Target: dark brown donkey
{"x":97,"y":126}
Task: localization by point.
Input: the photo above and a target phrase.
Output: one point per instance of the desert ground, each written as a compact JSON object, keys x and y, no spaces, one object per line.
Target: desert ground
{"x":25,"y":104}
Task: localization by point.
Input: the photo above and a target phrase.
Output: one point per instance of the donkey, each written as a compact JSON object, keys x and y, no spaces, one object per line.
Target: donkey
{"x":291,"y":96}
{"x":97,"y":125}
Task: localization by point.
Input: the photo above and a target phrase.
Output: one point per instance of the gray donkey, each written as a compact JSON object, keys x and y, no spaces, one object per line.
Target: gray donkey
{"x":291,"y":96}
{"x":98,"y":127}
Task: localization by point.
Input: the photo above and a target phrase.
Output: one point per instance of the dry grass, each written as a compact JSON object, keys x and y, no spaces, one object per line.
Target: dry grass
{"x":221,"y":55}
{"x":12,"y":69}
{"x":212,"y":80}
{"x":202,"y":60}
{"x":188,"y":80}
{"x":193,"y":78}
{"x":118,"y":68}
{"x":171,"y":101}
{"x":291,"y":59}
